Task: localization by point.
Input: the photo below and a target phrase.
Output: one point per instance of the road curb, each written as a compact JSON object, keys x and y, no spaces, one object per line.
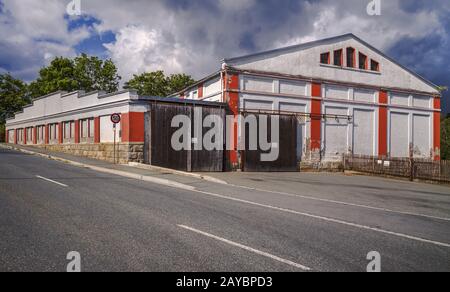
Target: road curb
{"x":159,"y":181}
{"x":183,"y":173}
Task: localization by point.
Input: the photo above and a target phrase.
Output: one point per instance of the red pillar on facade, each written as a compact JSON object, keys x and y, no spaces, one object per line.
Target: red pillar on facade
{"x":200,"y":91}
{"x":7,"y":136}
{"x":133,"y":127}
{"x":383,"y":124}
{"x":47,"y":135}
{"x":25,"y":136}
{"x":231,"y":97}
{"x":97,"y":130}
{"x":77,"y":132}
{"x":316,"y":117}
{"x":60,"y":133}
{"x":437,"y":129}
{"x":34,"y":135}
{"x":15,"y":136}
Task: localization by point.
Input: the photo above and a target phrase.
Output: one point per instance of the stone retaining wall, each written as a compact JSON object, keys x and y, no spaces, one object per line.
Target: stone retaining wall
{"x":125,"y":152}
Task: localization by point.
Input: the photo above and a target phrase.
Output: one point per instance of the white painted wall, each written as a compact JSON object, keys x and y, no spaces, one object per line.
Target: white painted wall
{"x":399,"y":133}
{"x":364,"y":128}
{"x":422,"y":101}
{"x":335,"y":133}
{"x":257,"y":84}
{"x":421,"y":136}
{"x":65,"y":103}
{"x":107,"y":130}
{"x":212,"y":90}
{"x":365,"y":95}
{"x":89,"y":106}
{"x":11,"y":136}
{"x":400,"y":99}
{"x":410,"y":128}
{"x":305,"y":61}
{"x":336,"y":92}
{"x":360,"y":135}
{"x":292,"y":87}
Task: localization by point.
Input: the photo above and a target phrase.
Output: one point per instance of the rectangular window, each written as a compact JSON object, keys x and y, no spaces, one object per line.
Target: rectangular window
{"x":20,"y":135}
{"x":362,"y":62}
{"x":351,"y":57}
{"x":87,"y":128}
{"x":194,"y":95}
{"x":338,"y":58}
{"x":29,"y":135}
{"x":66,"y":130}
{"x":69,"y":130}
{"x":374,"y":66}
{"x":325,"y":58}
{"x":53,"y":132}
{"x":84,"y":129}
{"x":91,"y":128}
{"x":40,"y":134}
{"x":43,"y":133}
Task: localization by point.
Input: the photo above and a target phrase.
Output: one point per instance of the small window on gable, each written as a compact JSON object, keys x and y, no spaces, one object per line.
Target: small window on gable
{"x":374,"y":66}
{"x":325,"y":58}
{"x":351,"y":57}
{"x":338,"y":58}
{"x":363,"y":64}
{"x":194,"y":95}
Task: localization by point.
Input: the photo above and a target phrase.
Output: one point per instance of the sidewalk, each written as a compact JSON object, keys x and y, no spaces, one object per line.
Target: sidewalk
{"x":141,"y":172}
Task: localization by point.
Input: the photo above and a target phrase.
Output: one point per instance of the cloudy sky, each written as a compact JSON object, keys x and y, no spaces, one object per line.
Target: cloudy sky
{"x":192,"y":36}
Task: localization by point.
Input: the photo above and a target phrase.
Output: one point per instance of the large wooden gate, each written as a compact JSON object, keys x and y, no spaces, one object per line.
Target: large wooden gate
{"x":158,"y":140}
{"x":288,"y":160}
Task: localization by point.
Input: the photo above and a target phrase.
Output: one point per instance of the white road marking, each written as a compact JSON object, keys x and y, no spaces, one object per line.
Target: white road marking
{"x":328,"y":219}
{"x":281,"y":209}
{"x":247,"y":248}
{"x":52,"y":181}
{"x":342,"y":203}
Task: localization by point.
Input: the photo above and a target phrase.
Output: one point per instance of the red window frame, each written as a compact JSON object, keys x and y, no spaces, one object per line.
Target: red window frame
{"x":341,"y":59}
{"x":377,"y":65}
{"x":328,"y":57}
{"x":366,"y":62}
{"x":353,"y":58}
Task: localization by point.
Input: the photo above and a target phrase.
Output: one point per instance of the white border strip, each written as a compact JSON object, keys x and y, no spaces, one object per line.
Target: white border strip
{"x":342,"y":203}
{"x":247,"y":248}
{"x":52,"y":181}
{"x":328,"y":219}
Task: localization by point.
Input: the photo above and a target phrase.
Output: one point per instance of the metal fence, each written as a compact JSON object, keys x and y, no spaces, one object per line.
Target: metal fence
{"x":422,"y":169}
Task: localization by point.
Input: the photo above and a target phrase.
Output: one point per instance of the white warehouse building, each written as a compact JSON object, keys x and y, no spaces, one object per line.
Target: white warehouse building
{"x":355,"y":99}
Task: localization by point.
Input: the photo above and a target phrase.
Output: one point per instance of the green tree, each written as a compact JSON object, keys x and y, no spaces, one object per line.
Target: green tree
{"x":157,"y":84}
{"x":82,"y":73}
{"x":59,"y":75}
{"x":92,"y":73}
{"x":445,"y":138}
{"x":149,"y":84}
{"x":13,"y":97}
{"x":178,"y":82}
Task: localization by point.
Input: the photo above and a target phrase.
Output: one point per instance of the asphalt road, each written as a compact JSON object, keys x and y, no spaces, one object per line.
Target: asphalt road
{"x":48,"y":209}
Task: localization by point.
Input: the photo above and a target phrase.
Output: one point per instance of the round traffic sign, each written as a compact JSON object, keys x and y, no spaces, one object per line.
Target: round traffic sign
{"x":115,"y":118}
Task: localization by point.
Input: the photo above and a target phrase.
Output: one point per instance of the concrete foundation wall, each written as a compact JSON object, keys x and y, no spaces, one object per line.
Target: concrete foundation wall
{"x":126,"y":152}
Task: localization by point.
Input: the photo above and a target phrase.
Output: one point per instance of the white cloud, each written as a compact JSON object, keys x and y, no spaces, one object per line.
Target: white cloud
{"x":333,"y":18}
{"x":138,"y":50}
{"x":32,"y":32}
{"x":193,"y":36}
